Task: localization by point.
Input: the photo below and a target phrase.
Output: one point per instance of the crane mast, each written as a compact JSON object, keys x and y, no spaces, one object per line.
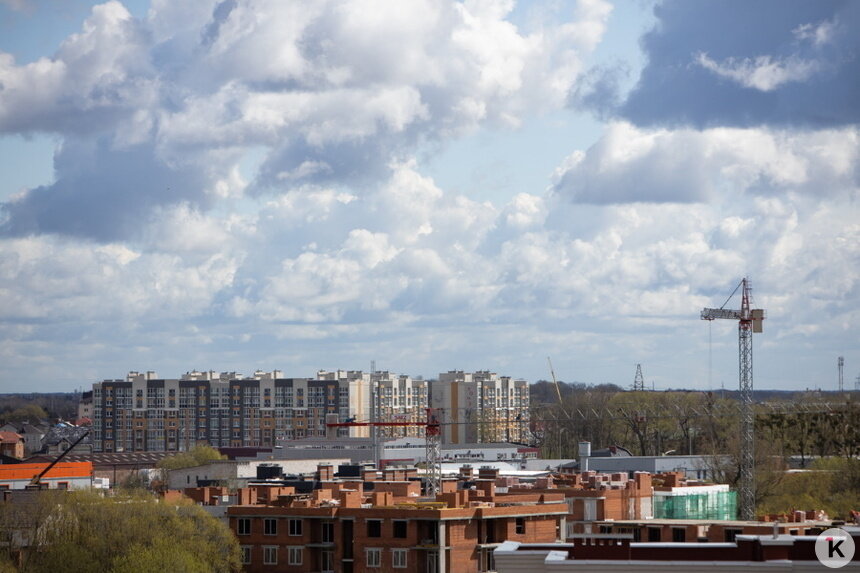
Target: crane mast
{"x":749,"y":322}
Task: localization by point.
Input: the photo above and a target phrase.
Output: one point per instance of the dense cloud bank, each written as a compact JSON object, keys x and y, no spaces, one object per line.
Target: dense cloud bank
{"x":156,"y":112}
{"x":769,"y":62}
{"x":157,"y":244}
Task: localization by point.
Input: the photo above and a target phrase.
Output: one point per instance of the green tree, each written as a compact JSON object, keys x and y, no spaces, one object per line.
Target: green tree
{"x":833,"y":484}
{"x":129,"y":532}
{"x":28,"y":413}
{"x":196,"y":456}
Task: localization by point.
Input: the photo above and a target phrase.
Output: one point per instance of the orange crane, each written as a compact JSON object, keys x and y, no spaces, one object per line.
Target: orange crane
{"x":432,"y":437}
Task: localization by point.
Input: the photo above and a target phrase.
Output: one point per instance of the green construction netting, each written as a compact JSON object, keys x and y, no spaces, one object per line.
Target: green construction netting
{"x":714,"y":505}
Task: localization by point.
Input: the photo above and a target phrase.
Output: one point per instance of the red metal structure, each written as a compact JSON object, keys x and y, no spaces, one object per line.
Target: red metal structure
{"x":432,"y":435}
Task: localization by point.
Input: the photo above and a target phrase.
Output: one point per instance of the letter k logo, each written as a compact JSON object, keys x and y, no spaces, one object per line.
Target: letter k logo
{"x":833,"y":548}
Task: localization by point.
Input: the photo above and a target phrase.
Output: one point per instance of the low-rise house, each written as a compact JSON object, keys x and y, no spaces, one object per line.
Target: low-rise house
{"x":33,"y":434}
{"x":12,"y":445}
{"x":62,"y":436}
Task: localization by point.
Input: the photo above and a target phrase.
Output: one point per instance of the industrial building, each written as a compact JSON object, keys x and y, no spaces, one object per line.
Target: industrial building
{"x":63,"y":475}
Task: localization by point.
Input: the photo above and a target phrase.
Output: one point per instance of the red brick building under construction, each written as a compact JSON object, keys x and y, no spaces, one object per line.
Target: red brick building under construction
{"x":339,"y":528}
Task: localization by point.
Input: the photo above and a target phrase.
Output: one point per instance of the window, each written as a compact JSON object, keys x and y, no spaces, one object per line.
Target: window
{"x":520,"y":527}
{"x":328,"y":532}
{"x":374,"y":557}
{"x":679,"y":534}
{"x":398,"y":558}
{"x":246,"y":554}
{"x":730,"y":534}
{"x":327,"y":561}
{"x":400,"y":529}
{"x":654,"y":534}
{"x":374,"y":528}
{"x":295,"y":527}
{"x":270,"y":555}
{"x":243,"y":526}
{"x":295,"y":556}
{"x":270,"y":526}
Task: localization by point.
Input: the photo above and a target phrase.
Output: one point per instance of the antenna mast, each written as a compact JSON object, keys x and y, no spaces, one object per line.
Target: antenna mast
{"x":841,"y":365}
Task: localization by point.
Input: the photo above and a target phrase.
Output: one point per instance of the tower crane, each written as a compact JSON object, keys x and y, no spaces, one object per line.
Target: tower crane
{"x":749,"y":322}
{"x":432,"y":437}
{"x":557,"y":389}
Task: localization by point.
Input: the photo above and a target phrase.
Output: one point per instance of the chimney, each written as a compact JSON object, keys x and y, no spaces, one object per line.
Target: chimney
{"x":488,"y":472}
{"x":382,"y":498}
{"x":325,"y":472}
{"x":350,"y":499}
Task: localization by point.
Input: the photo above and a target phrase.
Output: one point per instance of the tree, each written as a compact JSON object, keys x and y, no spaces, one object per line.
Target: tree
{"x":129,"y":532}
{"x":29,"y":413}
{"x":725,"y":466}
{"x":833,"y":484}
{"x":196,"y":456}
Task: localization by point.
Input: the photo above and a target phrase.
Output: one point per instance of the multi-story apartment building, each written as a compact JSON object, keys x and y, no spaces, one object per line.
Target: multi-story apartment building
{"x":399,"y":399}
{"x":146,"y":413}
{"x":481,"y":407}
{"x":380,"y":397}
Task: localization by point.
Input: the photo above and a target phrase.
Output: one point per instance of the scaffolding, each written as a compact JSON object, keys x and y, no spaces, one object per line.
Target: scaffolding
{"x":714,"y":505}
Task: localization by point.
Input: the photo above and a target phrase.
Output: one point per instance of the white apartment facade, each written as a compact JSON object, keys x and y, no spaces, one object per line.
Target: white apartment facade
{"x":481,"y":407}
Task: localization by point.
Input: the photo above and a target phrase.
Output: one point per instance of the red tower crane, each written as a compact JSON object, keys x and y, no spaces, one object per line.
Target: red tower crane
{"x":432,"y":437}
{"x":749,"y":321}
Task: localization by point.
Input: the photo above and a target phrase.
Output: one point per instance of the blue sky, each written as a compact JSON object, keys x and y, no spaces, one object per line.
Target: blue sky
{"x":431,"y":185}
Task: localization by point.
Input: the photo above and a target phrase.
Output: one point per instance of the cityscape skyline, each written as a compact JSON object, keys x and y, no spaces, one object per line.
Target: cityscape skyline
{"x":430,"y":185}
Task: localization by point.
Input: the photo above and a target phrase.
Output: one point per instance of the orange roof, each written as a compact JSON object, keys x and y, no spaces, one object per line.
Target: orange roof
{"x":10,"y":437}
{"x":59,"y":471}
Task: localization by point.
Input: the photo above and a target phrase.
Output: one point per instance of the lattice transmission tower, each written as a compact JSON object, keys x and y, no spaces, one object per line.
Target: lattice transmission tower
{"x":638,"y":380}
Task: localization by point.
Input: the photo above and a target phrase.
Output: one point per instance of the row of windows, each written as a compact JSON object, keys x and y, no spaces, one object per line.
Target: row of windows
{"x":374,"y":528}
{"x":270,"y":527}
{"x":295,"y":556}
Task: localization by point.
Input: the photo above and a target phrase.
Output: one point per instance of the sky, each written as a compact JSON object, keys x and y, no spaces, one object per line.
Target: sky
{"x":264,"y":184}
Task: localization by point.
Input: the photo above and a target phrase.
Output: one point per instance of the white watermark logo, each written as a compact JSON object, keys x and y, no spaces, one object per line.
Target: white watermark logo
{"x":834,"y":548}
